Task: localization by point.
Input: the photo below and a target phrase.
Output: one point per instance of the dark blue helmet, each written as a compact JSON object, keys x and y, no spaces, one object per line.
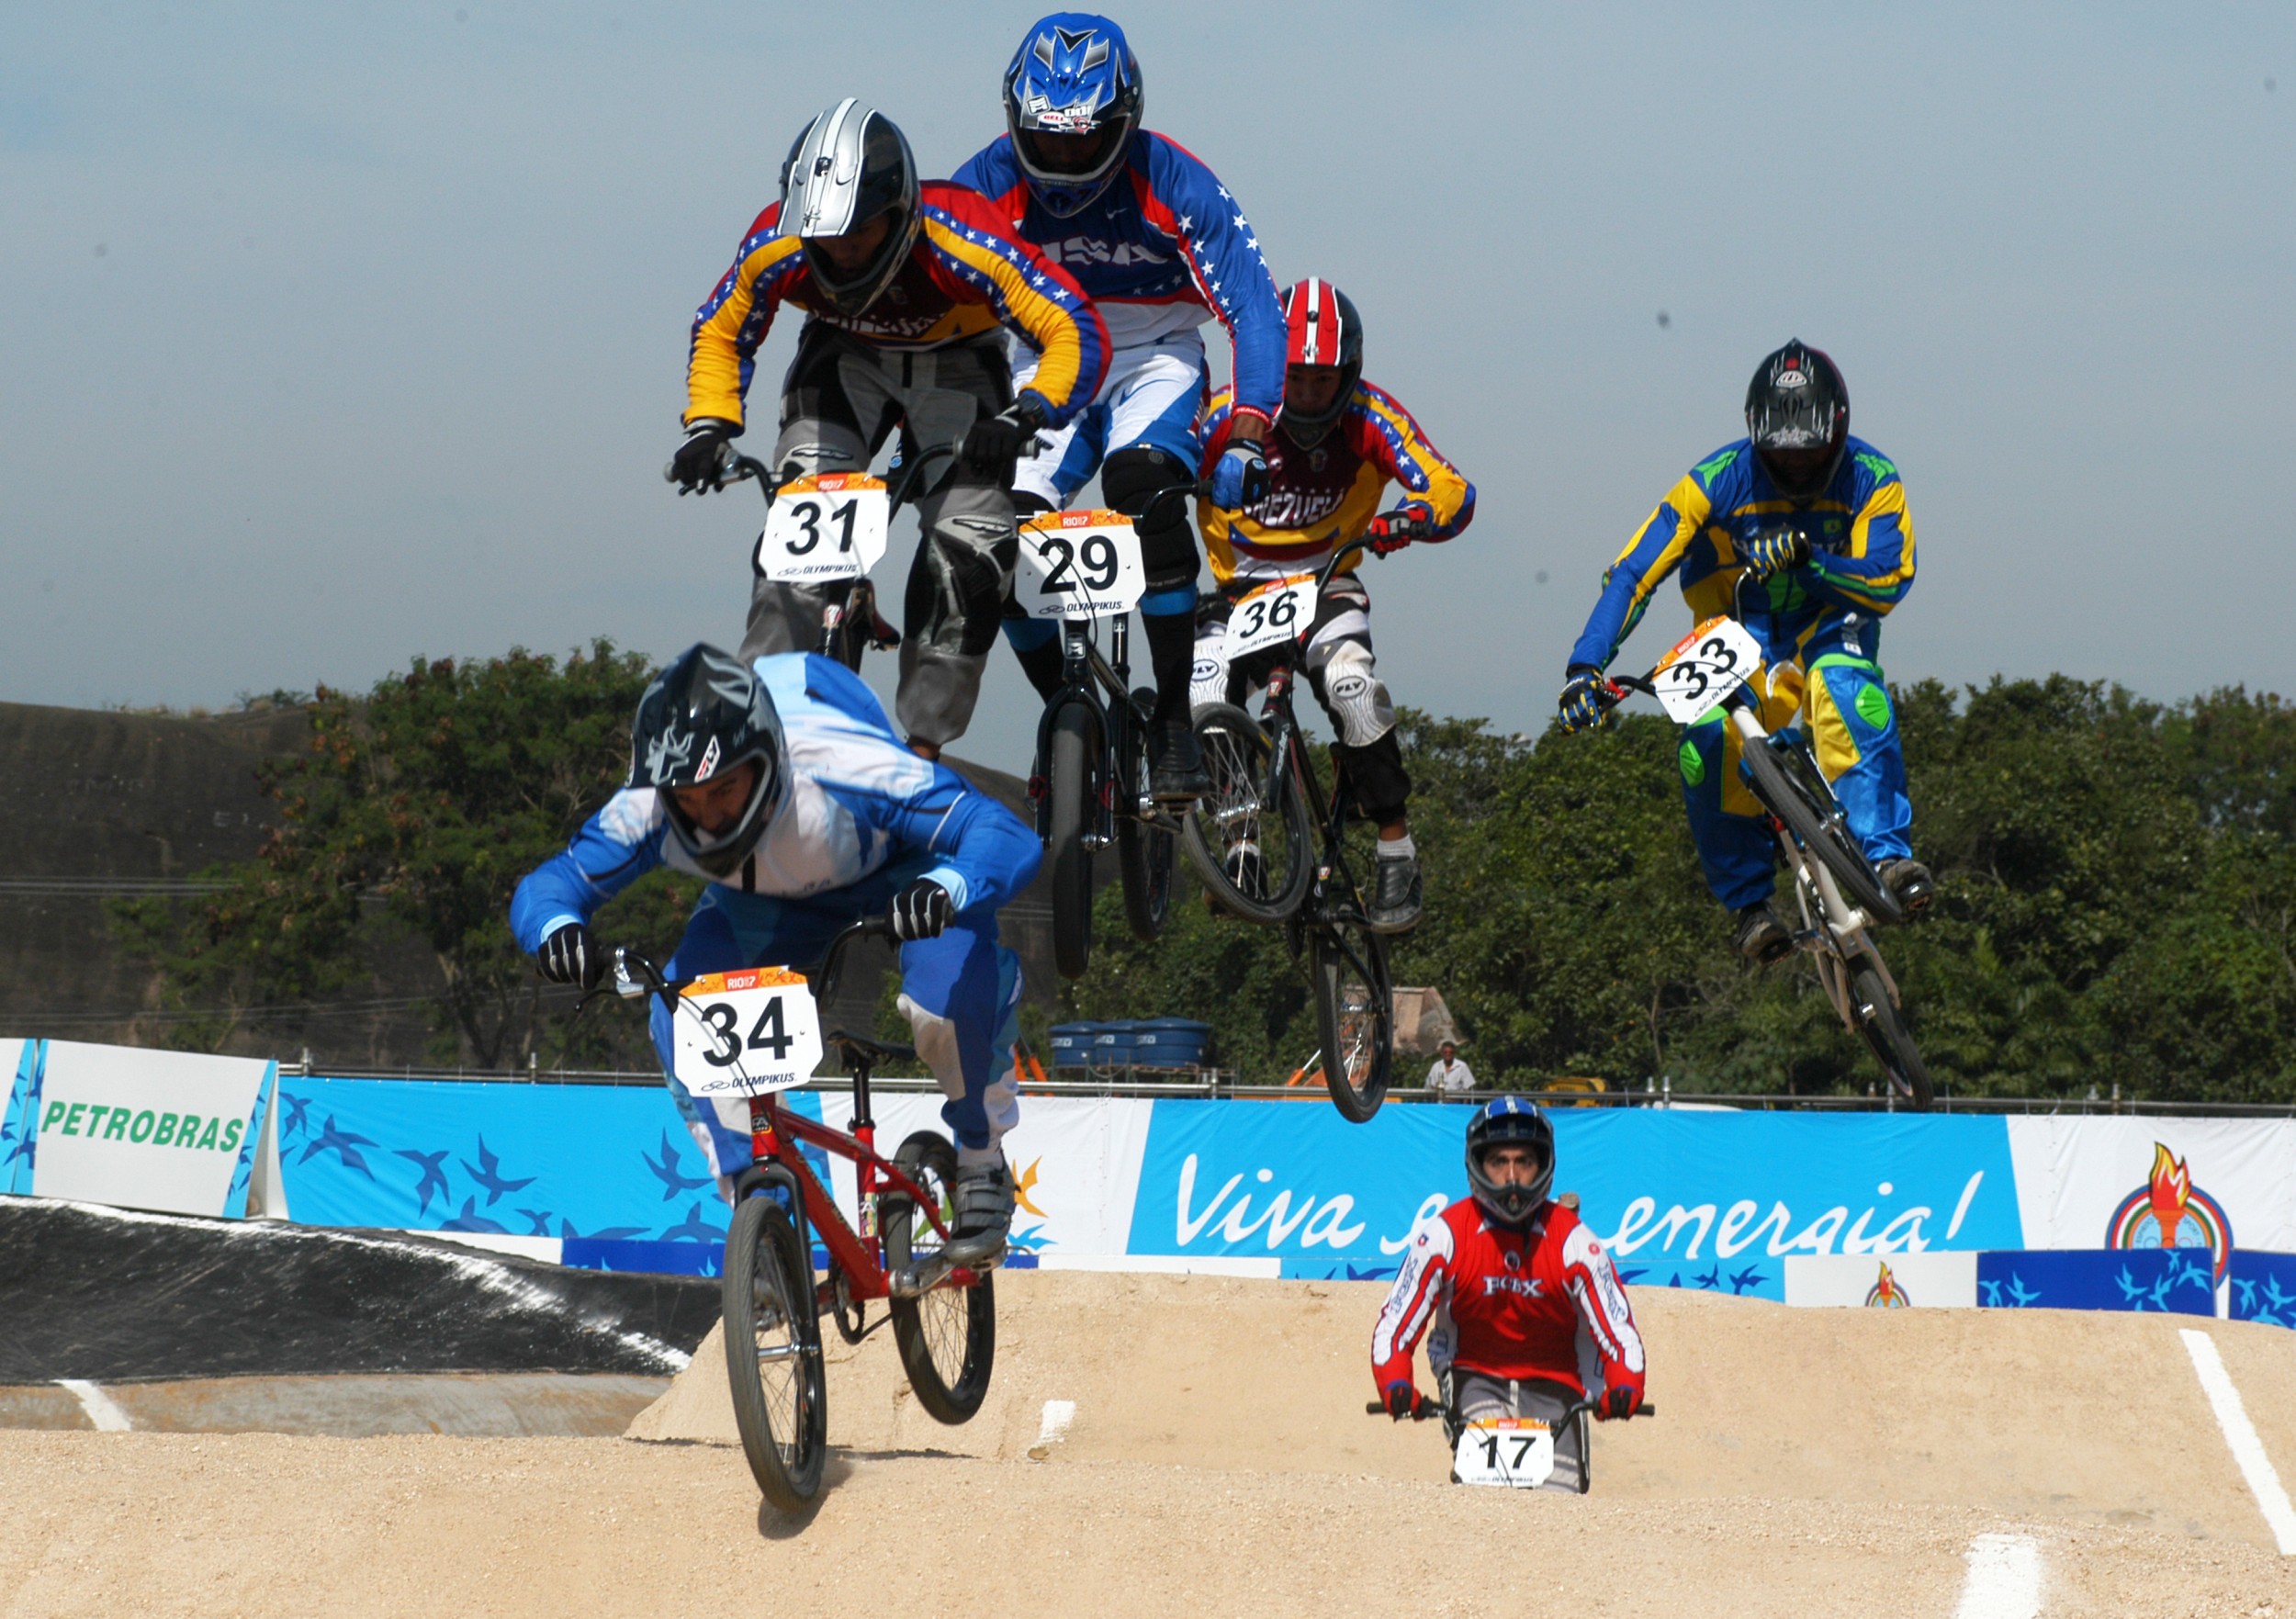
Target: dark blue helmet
{"x":1510,"y":1119}
{"x":1073,"y":76}
{"x":704,"y":715}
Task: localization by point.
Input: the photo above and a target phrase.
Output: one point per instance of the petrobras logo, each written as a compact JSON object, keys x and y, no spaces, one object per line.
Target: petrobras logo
{"x":142,"y":1127}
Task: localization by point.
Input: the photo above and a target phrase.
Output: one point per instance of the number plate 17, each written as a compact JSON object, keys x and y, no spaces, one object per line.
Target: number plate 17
{"x":1079,"y":565}
{"x":1512,"y":1453}
{"x":744,"y":1034}
{"x":1704,"y":667}
{"x":829,"y":526}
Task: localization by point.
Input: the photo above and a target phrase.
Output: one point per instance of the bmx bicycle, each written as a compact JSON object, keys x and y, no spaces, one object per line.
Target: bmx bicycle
{"x":1261,"y":858}
{"x":1510,"y":1453}
{"x":756,"y":1033}
{"x":1840,"y":895}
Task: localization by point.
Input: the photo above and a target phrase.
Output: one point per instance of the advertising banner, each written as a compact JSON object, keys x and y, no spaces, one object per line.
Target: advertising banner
{"x":19,"y":1061}
{"x":2262,"y":1288}
{"x":169,"y":1131}
{"x":2172,"y":1280}
{"x":1895,"y":1281}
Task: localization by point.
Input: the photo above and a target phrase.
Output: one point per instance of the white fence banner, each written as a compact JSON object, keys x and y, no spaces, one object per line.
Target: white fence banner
{"x":2157,"y":1183}
{"x":169,"y":1131}
{"x":1893,"y":1281}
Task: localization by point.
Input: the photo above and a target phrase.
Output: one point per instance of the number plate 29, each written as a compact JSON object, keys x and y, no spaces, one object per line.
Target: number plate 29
{"x":744,"y":1034}
{"x":1272,"y":614}
{"x":1706,"y":665}
{"x":1079,"y":565}
{"x":1511,"y":1453}
{"x":829,"y":526}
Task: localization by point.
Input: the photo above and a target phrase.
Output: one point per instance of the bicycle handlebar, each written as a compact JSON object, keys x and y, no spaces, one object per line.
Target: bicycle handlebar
{"x":748,"y":468}
{"x":634,"y":974}
{"x":1431,"y":1408}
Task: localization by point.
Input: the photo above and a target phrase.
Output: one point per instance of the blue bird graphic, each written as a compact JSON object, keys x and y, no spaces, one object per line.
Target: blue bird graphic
{"x":2280,"y":1302}
{"x":1992,"y":1294}
{"x":612,"y":1234}
{"x":694,"y":1228}
{"x":470,"y":1220}
{"x":298,"y":1116}
{"x":1627,"y":1278}
{"x":539,"y":1219}
{"x":2132,"y":1290}
{"x":433,"y":1177}
{"x":1371,"y":1273}
{"x":340,"y":1143}
{"x":488,"y":1176}
{"x":1748,"y":1277}
{"x":667,"y":1171}
{"x":1712,"y":1280}
{"x":2020,"y":1296}
{"x":2245,"y":1293}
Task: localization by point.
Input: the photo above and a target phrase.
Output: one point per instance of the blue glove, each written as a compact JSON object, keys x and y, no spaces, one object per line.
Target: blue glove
{"x":1240,"y":480}
{"x":1580,"y":705}
{"x":1775,"y":551}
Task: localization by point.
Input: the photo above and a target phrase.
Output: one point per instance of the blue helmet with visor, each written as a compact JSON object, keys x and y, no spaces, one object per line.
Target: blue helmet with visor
{"x":1072,"y":101}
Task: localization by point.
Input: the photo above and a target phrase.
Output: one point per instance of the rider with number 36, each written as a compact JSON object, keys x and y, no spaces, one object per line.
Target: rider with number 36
{"x":905,"y":287}
{"x":1817,"y":521}
{"x":781,"y":784}
{"x":1160,"y":245}
{"x":1337,"y":444}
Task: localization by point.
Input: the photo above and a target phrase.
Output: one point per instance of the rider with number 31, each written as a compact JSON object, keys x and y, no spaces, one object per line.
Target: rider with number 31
{"x":781,"y":784}
{"x":1816,"y":521}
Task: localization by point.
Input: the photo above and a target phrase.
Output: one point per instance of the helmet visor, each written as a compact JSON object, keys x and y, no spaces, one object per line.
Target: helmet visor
{"x":1070,"y":154}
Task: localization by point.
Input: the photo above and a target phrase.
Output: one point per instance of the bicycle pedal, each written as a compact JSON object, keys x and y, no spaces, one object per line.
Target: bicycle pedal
{"x":917,"y":1279}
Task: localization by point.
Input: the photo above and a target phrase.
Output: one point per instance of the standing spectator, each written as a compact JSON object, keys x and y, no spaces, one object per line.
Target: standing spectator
{"x":1447,"y":1076}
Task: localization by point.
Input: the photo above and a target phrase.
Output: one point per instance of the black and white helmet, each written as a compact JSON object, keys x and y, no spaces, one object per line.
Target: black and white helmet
{"x":1510,"y":1119}
{"x":705,"y":715}
{"x":1797,"y":414}
{"x":848,"y":167}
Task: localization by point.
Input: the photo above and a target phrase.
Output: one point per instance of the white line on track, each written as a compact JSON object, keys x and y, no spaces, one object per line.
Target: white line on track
{"x":2004,"y":1578}
{"x":2240,"y":1437}
{"x":1058,"y":1415}
{"x":101,"y":1408}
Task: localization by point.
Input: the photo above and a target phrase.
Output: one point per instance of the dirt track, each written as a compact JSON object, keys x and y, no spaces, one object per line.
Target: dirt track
{"x":1818,"y":1462}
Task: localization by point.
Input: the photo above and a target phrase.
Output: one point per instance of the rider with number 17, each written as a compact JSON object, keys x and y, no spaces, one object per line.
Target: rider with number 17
{"x":1815,"y":520}
{"x":1155,"y":239}
{"x":1337,"y":446}
{"x":781,"y":784}
{"x":905,"y":287}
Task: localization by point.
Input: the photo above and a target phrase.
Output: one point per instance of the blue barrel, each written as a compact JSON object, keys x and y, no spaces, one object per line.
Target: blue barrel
{"x":1071,"y":1044}
{"x":1170,"y":1042}
{"x":1112,"y":1045}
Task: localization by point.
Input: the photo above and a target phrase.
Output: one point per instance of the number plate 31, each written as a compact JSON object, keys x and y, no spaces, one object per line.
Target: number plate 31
{"x":829,"y":526}
{"x":1079,"y":565}
{"x":744,"y":1034}
{"x":1704,"y":667}
{"x":1511,"y":1453}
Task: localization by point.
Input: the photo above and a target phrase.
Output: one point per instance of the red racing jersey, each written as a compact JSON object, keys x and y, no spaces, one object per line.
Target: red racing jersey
{"x":1517,"y":1299}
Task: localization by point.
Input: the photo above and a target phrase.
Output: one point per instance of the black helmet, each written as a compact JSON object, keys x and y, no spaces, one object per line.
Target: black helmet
{"x":847,"y":167}
{"x":1321,"y":328}
{"x":705,"y":715}
{"x":1510,"y":1119}
{"x":1073,"y":74}
{"x":1797,"y":413}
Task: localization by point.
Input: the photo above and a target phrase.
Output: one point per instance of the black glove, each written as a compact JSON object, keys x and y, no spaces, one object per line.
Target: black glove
{"x":1776,"y":550}
{"x":1623,"y":1400}
{"x":993,"y":444}
{"x":1402,"y":1400}
{"x":704,"y":459}
{"x":571,"y":956}
{"x":1580,"y":706}
{"x":922,"y":910}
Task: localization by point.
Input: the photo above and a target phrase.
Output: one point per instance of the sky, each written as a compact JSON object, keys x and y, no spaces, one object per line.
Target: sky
{"x":333,"y":336}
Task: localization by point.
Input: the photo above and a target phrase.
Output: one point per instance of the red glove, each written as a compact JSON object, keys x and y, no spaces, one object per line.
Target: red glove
{"x":1392,"y":531}
{"x":1620,"y":1399}
{"x":1402,"y":1401}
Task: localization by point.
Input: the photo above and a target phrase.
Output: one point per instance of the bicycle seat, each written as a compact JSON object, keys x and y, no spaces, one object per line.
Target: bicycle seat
{"x":859,"y":1049}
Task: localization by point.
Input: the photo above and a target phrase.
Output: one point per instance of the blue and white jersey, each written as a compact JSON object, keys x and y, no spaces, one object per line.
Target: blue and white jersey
{"x":861,"y":817}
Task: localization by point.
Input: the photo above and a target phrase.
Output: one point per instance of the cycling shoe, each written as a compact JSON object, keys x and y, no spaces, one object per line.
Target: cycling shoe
{"x":983,"y":1215}
{"x":1762,"y":938}
{"x":1395,"y":895}
{"x":1177,"y":764}
{"x":1909,"y":881}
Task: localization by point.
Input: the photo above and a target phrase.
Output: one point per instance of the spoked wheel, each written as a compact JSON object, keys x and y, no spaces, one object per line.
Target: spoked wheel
{"x":1144,"y":858}
{"x":1253,"y":855}
{"x":1075,"y":753}
{"x":948,"y":1337}
{"x":773,"y":1354}
{"x":1787,"y":780}
{"x":1354,"y":1015}
{"x":1883,"y":1024}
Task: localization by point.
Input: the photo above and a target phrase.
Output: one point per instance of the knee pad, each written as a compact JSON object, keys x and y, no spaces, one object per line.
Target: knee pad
{"x":956,"y":593}
{"x":1356,"y":695}
{"x":1130,"y":479}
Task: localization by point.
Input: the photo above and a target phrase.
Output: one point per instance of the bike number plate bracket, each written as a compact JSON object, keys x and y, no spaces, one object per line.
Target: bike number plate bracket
{"x":829,"y":526}
{"x":747,"y":1034}
{"x":1507,"y":1453}
{"x":1079,"y":565}
{"x":1704,"y":667}
{"x":1271,"y":616}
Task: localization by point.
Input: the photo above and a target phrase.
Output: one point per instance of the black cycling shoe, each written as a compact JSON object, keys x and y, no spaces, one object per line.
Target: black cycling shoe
{"x":1176,"y":772}
{"x":984,"y":1210}
{"x":1395,"y":895}
{"x":1762,"y":938}
{"x":1908,"y":879}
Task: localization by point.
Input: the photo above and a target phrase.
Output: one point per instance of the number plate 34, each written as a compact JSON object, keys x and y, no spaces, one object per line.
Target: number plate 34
{"x":1706,"y":665}
{"x":1511,"y":1453}
{"x":1079,"y":565}
{"x":744,"y":1034}
{"x":829,"y":526}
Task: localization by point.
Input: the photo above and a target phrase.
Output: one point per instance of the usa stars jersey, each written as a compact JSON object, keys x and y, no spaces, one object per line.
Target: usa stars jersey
{"x":1162,"y":248}
{"x":1516,"y":1300}
{"x":965,"y":276}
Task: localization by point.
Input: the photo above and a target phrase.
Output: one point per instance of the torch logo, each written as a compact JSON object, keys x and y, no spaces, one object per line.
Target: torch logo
{"x":2169,"y":1211}
{"x":1886,"y":1293}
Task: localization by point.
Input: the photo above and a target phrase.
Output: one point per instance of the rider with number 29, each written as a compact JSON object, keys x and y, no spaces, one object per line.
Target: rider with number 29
{"x":1816,"y":521}
{"x":780,"y":784}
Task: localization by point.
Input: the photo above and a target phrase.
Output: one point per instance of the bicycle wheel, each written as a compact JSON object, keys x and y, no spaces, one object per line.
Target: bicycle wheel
{"x":1253,"y":857}
{"x":773,"y":1354}
{"x":948,"y":1337}
{"x":1354,"y":1015}
{"x":1143,"y":855}
{"x":1798,"y":796}
{"x":1075,"y":749}
{"x":1884,"y":1026}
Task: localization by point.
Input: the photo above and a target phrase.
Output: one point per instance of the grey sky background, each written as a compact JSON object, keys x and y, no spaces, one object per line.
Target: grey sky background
{"x":333,"y":335}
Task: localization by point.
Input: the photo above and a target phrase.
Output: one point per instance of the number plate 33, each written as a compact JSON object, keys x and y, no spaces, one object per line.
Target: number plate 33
{"x":1510,"y":1453}
{"x":829,"y":526}
{"x":744,"y":1034}
{"x":1079,"y":565}
{"x":1706,"y":665}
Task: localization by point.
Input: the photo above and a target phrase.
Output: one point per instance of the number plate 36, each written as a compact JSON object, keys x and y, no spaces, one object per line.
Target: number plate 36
{"x":1706,"y":665}
{"x":1511,"y":1453}
{"x":1272,"y":614}
{"x":744,"y":1034}
{"x":829,"y":526}
{"x":1079,"y":565}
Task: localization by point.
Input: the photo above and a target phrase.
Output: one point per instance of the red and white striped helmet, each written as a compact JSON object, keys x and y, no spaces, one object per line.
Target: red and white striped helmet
{"x":1321,"y":328}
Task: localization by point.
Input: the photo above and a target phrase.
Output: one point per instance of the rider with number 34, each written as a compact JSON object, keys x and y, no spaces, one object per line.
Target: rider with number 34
{"x":781,"y":784}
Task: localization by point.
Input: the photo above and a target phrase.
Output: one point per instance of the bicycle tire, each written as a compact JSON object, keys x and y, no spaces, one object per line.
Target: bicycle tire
{"x":1354,"y":1016}
{"x":1071,"y":767}
{"x":1235,"y":756}
{"x":1145,"y":857}
{"x":927,"y":1329}
{"x":784,"y":1429}
{"x":1811,"y":818}
{"x":1884,"y":1026}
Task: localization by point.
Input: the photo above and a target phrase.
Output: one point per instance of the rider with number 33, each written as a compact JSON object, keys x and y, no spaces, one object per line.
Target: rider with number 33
{"x":1815,"y":520}
{"x":781,"y":784}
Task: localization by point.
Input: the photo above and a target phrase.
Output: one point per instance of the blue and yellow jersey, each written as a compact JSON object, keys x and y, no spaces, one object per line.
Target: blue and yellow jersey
{"x":965,"y":276}
{"x":1862,"y":544}
{"x":1324,"y":496}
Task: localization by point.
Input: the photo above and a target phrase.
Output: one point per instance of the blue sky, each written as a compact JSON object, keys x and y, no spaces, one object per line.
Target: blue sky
{"x":334,"y":335}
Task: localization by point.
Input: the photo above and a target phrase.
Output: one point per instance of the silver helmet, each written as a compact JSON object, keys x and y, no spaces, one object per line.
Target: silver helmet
{"x":848,"y":167}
